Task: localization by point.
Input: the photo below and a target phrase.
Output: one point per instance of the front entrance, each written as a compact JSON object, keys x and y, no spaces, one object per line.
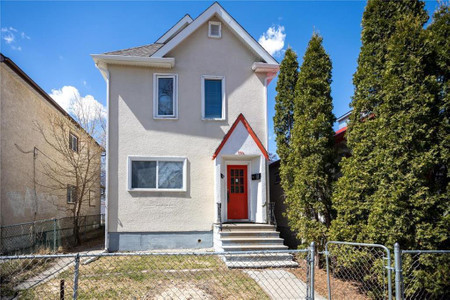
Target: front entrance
{"x":237,"y":195}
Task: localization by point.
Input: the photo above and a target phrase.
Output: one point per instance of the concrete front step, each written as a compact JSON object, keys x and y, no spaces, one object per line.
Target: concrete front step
{"x":235,"y":233}
{"x":250,"y":247}
{"x":247,"y":227}
{"x":254,"y":237}
{"x":260,"y":264}
{"x":230,"y":256}
{"x":230,"y":241}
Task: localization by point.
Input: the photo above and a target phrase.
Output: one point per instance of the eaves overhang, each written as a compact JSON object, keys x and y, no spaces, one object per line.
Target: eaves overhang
{"x":155,"y":62}
{"x":261,"y":67}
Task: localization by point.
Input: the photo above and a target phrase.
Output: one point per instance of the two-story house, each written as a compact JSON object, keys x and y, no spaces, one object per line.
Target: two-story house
{"x":187,"y":163}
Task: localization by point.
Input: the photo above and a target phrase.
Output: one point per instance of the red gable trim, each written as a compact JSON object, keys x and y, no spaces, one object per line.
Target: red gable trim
{"x":242,"y":119}
{"x":339,"y":135}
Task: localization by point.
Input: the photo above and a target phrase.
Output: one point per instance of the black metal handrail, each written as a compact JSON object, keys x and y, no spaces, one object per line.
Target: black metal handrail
{"x":272,"y":219}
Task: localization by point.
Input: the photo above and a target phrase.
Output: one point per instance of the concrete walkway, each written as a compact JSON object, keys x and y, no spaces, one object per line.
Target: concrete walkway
{"x":280,"y":284}
{"x":55,"y":268}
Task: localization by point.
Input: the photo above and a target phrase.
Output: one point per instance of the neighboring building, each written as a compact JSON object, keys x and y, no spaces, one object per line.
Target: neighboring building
{"x":187,"y":138}
{"x":26,"y":194}
{"x":277,"y":193}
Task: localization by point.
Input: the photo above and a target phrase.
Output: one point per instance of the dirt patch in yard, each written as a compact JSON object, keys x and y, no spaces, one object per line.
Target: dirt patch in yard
{"x":340,"y":289}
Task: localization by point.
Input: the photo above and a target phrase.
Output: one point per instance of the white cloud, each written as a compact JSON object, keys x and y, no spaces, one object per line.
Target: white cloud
{"x":24,"y":36}
{"x":86,"y":108}
{"x":9,"y":36}
{"x":273,"y":39}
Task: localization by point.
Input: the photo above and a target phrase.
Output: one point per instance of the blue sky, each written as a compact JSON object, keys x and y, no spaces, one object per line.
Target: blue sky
{"x":51,"y":41}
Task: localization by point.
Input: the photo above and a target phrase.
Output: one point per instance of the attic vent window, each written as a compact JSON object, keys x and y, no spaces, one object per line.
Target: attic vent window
{"x":215,"y":30}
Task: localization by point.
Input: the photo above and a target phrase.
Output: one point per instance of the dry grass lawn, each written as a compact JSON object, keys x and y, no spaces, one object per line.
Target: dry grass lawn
{"x":153,"y":277}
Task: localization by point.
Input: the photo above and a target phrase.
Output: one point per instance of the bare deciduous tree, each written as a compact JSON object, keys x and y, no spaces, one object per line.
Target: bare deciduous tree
{"x":74,"y":168}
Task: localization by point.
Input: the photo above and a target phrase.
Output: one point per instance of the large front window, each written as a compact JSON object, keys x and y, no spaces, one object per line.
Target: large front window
{"x":165,"y":96}
{"x":213,"y":97}
{"x":159,"y":174}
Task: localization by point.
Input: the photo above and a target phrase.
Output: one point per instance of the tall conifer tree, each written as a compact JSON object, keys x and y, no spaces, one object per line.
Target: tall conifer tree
{"x":312,"y":158}
{"x":284,"y":113}
{"x":354,"y":196}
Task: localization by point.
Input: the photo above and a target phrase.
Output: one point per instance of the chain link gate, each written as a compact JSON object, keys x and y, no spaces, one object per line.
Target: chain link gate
{"x":421,"y":274}
{"x":358,"y":269}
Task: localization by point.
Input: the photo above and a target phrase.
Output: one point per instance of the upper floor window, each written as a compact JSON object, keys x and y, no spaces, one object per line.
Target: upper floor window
{"x":165,"y":96}
{"x":157,"y":173}
{"x":73,"y":142}
{"x":213,"y":97}
{"x":215,"y":30}
{"x":92,"y":198}
{"x":71,"y":194}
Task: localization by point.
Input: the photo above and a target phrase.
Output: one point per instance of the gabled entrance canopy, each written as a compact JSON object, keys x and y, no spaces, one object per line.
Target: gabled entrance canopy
{"x":237,"y":139}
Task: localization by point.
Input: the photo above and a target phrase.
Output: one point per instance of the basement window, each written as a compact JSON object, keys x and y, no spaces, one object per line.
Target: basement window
{"x":215,"y":30}
{"x":156,"y":173}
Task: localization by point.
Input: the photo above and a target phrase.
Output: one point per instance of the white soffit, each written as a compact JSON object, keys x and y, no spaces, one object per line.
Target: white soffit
{"x":186,"y":20}
{"x":218,"y":11}
{"x":166,"y":63}
{"x":260,"y":67}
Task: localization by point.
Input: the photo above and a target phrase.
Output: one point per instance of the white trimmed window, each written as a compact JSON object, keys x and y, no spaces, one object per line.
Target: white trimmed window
{"x":215,"y":30}
{"x":213,"y":97}
{"x":71,"y":194}
{"x":73,"y":142}
{"x":165,"y":96}
{"x":156,"y":173}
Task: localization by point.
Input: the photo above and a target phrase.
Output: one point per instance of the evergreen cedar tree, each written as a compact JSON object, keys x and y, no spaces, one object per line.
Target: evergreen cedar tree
{"x":311,"y":158}
{"x":394,"y":187}
{"x":284,"y":113}
{"x":391,"y":189}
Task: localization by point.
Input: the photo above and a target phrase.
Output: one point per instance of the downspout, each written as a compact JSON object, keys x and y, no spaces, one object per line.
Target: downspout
{"x":105,"y":72}
{"x":267,"y":80}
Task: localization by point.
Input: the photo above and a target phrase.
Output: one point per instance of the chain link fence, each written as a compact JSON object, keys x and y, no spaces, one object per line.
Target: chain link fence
{"x":47,"y":235}
{"x":424,"y":274}
{"x":342,"y":271}
{"x":158,"y":275}
{"x":358,"y":271}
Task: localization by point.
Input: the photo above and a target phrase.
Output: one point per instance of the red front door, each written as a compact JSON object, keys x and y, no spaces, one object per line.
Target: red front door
{"x":237,"y":206}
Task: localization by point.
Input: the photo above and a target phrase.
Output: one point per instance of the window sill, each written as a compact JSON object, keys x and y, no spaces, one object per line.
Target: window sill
{"x":157,"y":190}
{"x":214,"y":119}
{"x":165,"y":118}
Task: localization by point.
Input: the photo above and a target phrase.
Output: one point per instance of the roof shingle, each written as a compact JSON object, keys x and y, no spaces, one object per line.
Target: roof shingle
{"x":143,"y":51}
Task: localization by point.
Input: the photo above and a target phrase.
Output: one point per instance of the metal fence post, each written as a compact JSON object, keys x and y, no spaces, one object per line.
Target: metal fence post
{"x":75,"y":276}
{"x":311,"y":273}
{"x":389,"y":274}
{"x":328,"y":271}
{"x":398,"y":272}
{"x":54,"y":235}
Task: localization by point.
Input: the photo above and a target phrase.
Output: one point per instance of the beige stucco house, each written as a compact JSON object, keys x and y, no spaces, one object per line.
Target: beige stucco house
{"x":187,"y":164}
{"x":26,"y":192}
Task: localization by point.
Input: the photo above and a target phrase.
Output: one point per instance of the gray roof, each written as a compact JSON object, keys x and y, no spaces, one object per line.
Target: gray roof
{"x":143,"y":51}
